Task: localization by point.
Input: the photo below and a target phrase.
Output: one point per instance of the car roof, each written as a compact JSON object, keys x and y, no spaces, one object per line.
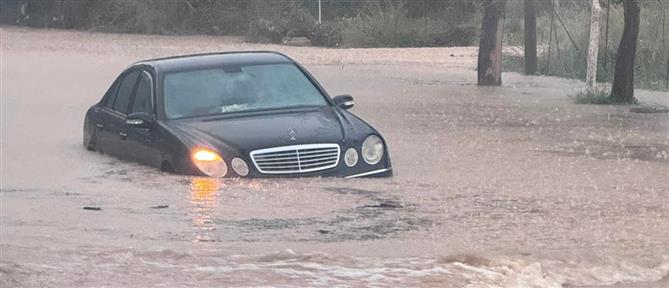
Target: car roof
{"x":195,"y":61}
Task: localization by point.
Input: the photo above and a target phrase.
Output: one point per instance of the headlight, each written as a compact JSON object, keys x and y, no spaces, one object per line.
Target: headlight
{"x":209,"y":162}
{"x":372,"y":149}
{"x":351,"y":157}
{"x":240,"y":167}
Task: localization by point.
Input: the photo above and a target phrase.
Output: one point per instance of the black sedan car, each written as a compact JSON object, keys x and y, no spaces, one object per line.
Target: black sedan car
{"x":240,"y":114}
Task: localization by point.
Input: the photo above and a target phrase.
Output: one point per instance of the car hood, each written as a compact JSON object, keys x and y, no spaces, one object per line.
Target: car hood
{"x":245,"y":132}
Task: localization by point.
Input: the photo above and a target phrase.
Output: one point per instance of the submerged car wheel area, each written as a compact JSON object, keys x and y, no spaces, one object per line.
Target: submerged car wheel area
{"x":239,"y":114}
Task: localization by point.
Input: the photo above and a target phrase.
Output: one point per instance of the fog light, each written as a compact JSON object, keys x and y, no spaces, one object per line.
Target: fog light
{"x":240,"y":167}
{"x":351,"y":157}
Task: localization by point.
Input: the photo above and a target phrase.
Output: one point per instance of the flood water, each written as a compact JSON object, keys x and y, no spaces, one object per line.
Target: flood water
{"x":511,"y":186}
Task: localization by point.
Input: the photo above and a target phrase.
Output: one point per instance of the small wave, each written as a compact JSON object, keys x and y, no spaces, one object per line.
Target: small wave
{"x":321,"y":269}
{"x":290,"y":268}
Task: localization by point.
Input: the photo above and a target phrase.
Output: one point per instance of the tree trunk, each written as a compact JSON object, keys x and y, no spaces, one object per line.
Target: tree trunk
{"x":490,"y":46}
{"x":530,"y":37}
{"x":623,"y":79}
{"x":591,"y":75}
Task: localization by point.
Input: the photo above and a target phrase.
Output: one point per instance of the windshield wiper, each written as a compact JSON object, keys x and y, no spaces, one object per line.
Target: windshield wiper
{"x":254,"y":112}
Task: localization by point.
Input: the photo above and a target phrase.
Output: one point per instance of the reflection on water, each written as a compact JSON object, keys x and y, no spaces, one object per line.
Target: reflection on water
{"x":255,"y":185}
{"x":203,"y":203}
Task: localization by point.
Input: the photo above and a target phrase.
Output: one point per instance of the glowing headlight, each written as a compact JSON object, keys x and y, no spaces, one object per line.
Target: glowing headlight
{"x":372,"y":149}
{"x":351,"y":157}
{"x":239,"y":166}
{"x":209,"y":162}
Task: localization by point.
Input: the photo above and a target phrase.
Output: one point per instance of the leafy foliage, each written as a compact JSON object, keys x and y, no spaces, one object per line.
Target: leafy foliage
{"x":351,"y":23}
{"x":390,"y":26}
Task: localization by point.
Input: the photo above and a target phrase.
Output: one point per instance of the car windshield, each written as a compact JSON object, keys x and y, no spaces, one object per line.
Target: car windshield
{"x":239,"y":88}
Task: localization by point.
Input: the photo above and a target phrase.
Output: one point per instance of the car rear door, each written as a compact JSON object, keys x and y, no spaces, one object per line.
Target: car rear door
{"x":143,"y":143}
{"x":112,"y":128}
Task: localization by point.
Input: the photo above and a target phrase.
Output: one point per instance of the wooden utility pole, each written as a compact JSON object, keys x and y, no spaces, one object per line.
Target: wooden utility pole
{"x":320,"y":14}
{"x":623,"y":79}
{"x":490,"y":45}
{"x":530,"y":37}
{"x":591,"y":75}
{"x":550,"y":39}
{"x":606,"y":38}
{"x":664,"y":43}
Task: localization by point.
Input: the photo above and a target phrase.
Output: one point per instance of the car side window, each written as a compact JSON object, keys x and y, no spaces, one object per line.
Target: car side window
{"x":125,"y":91}
{"x":109,"y":97}
{"x":144,"y":94}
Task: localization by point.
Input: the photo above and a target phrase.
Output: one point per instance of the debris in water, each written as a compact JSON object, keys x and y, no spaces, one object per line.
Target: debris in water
{"x":160,"y":207}
{"x":94,"y":208}
{"x":385,"y":205}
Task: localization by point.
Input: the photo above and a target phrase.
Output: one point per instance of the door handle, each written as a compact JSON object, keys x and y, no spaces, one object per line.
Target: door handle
{"x":99,"y":125}
{"x":123,"y":135}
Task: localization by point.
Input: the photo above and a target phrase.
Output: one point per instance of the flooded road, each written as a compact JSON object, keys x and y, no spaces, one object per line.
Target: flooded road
{"x":511,"y":186}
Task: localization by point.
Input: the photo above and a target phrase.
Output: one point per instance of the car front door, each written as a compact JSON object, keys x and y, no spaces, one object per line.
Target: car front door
{"x":143,"y":143}
{"x":113,"y":131}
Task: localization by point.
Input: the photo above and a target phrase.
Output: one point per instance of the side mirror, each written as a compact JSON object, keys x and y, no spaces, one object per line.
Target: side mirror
{"x":344,"y":101}
{"x":140,"y":120}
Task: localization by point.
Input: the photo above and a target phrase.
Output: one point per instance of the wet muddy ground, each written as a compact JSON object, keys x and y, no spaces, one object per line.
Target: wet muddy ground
{"x":511,"y":186}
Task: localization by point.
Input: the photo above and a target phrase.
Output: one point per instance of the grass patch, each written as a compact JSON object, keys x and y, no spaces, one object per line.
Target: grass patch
{"x":603,"y":97}
{"x":599,"y":97}
{"x":649,"y":109}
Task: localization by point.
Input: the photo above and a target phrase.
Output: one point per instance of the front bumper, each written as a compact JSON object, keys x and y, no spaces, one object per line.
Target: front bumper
{"x":385,"y":172}
{"x":335,"y":172}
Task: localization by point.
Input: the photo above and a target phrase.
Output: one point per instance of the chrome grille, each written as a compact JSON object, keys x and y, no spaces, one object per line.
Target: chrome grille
{"x":296,"y":158}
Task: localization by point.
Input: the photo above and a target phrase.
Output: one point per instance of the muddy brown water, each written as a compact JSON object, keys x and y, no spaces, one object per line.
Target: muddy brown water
{"x":512,"y":186}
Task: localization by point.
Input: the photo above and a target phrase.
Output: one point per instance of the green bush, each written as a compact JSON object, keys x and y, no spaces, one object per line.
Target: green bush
{"x":328,"y":35}
{"x":219,"y":16}
{"x":461,"y":35}
{"x":293,"y":21}
{"x":168,"y":16}
{"x":390,"y":26}
{"x":380,"y":27}
{"x":149,"y":16}
{"x":369,"y":23}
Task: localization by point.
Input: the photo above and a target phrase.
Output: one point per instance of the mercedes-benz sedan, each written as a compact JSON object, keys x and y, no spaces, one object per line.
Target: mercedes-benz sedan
{"x":240,"y":114}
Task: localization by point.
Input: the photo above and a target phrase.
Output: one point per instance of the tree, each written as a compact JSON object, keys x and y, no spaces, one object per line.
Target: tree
{"x":490,"y":46}
{"x":623,"y":79}
{"x":530,"y":37}
{"x":591,"y":74}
